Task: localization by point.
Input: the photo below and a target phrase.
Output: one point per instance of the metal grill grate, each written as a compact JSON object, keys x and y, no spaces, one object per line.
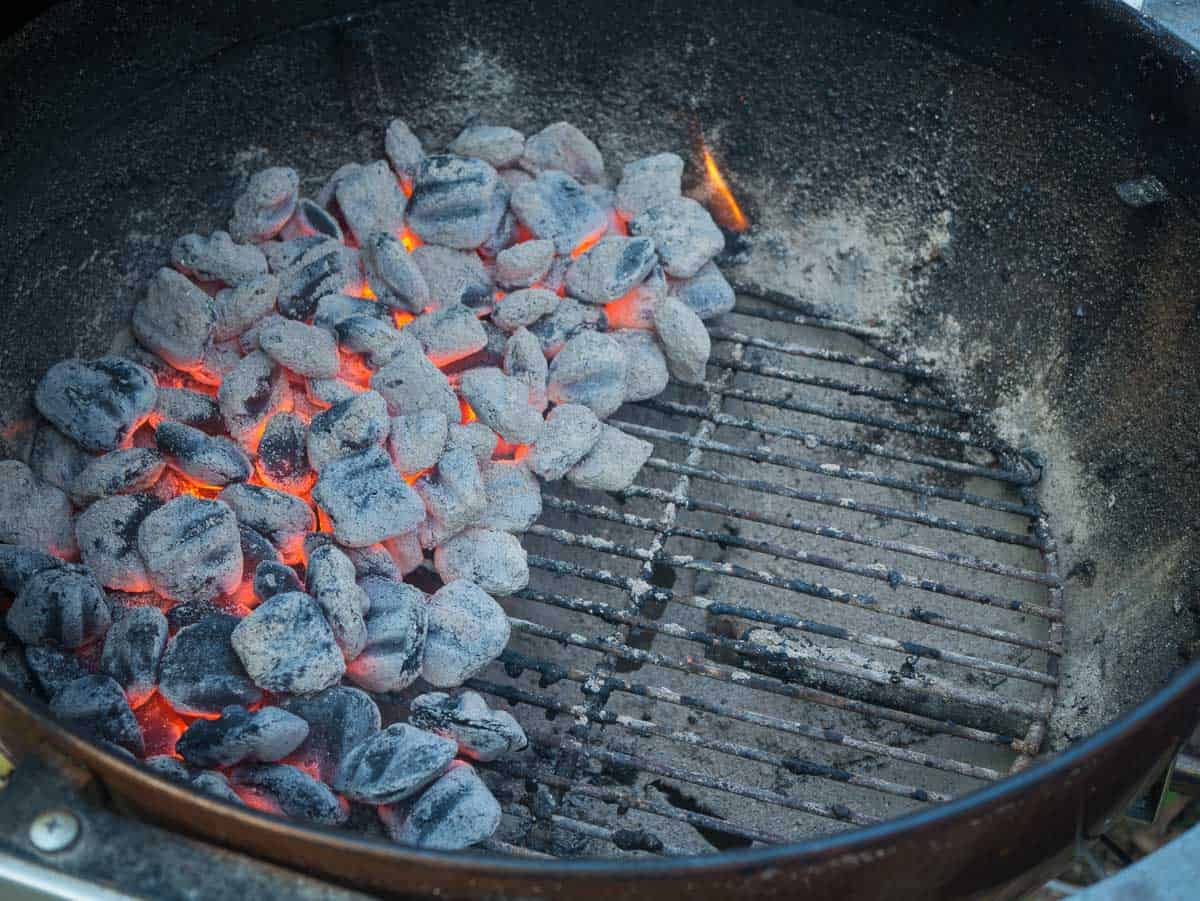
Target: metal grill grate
{"x":831,"y":599}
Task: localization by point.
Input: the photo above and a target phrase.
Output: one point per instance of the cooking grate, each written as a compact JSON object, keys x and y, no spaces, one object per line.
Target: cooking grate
{"x":831,"y":599}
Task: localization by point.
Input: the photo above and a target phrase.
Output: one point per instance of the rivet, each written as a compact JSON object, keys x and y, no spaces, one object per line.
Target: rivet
{"x":54,"y":830}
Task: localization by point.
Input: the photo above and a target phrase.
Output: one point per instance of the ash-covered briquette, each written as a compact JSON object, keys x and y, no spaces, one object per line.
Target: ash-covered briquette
{"x":397,"y":625}
{"x":200,"y":673}
{"x":98,"y":404}
{"x":237,"y":735}
{"x":493,"y":560}
{"x":331,"y":582}
{"x":96,"y":706}
{"x":191,"y":549}
{"x":33,"y":513}
{"x":467,"y":631}
{"x":121,"y":472}
{"x":512,"y":253}
{"x":393,"y":764}
{"x":107,"y":532}
{"x":455,"y":812}
{"x":480,"y":732}
{"x":287,"y":646}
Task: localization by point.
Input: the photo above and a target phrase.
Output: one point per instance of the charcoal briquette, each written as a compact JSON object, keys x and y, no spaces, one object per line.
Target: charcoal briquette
{"x":237,"y":735}
{"x":62,"y":607}
{"x":611,"y":269}
{"x":493,"y":560}
{"x":496,"y":145}
{"x":411,"y":383}
{"x":453,"y":276}
{"x":208,"y":459}
{"x":293,"y":791}
{"x":417,"y":440}
{"x":200,"y":673}
{"x":647,"y":375}
{"x":283,"y":454}
{"x":55,"y":458}
{"x":648,"y":182}
{"x":452,"y":201}
{"x":502,"y":404}
{"x":193,"y":408}
{"x":457,"y":811}
{"x":371,"y":200}
{"x":613,"y":463}
{"x":393,"y":274}
{"x":570,"y":432}
{"x":708,"y":293}
{"x":589,"y":370}
{"x":467,"y":631}
{"x":304,"y":349}
{"x":453,"y":495}
{"x":397,"y":623}
{"x":683,"y":232}
{"x":330,"y":579}
{"x":280,"y":516}
{"x":366,"y":499}
{"x":107,"y":532}
{"x":524,"y":360}
{"x":393,"y":764}
{"x":218,"y":259}
{"x":684,"y":339}
{"x":480,"y":732}
{"x":99,"y":403}
{"x":269,"y":200}
{"x":272,"y":577}
{"x":338,"y":718}
{"x":52,"y":669}
{"x":403,"y":149}
{"x":132,"y":651}
{"x":564,"y":147}
{"x":514,"y":498}
{"x":555,"y":207}
{"x":523,"y":264}
{"x":192,"y":549}
{"x":448,"y":334}
{"x":97,"y":707}
{"x":239,"y":308}
{"x":524,"y":308}
{"x":285,"y":645}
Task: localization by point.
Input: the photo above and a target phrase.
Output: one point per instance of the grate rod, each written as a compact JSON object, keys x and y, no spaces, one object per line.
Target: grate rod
{"x":813,"y":439}
{"x":866,"y":669}
{"x":786,"y":689}
{"x":730,"y":786}
{"x":822,"y":592}
{"x":830,"y":470}
{"x":797,"y":765}
{"x":908,"y":370}
{"x":627,"y":799}
{"x":918,"y":517}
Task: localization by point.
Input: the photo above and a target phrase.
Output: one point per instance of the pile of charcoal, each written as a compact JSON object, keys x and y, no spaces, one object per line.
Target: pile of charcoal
{"x":211,"y":559}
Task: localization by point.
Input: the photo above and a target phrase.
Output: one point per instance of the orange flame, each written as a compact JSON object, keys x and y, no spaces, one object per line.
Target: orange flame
{"x":728,"y":213}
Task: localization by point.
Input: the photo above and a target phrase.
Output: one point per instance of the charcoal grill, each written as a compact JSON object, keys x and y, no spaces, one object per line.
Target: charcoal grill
{"x":818,"y":646}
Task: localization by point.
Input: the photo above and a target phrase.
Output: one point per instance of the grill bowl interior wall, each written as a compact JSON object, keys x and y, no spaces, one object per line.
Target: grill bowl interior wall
{"x":895,"y":182}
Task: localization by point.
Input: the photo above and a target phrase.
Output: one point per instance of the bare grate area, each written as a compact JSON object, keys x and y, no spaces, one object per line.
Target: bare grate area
{"x":831,"y":599}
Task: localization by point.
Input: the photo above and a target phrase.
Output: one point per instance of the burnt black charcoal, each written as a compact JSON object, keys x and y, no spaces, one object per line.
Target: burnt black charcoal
{"x":394,"y":764}
{"x":62,"y":607}
{"x":286,"y":646}
{"x":708,"y":293}
{"x":684,"y":339}
{"x":331,"y":581}
{"x":32,"y":513}
{"x":19,"y":564}
{"x":611,"y":269}
{"x":96,"y":706}
{"x":192,"y":408}
{"x":523,"y":264}
{"x":188,"y":613}
{"x":304,"y":349}
{"x":200,"y":674}
{"x":452,"y":201}
{"x":240,"y":309}
{"x":356,"y":424}
{"x":590,"y":370}
{"x":256,"y":549}
{"x":481,"y":733}
{"x":495,"y":561}
{"x":683,"y":233}
{"x":250,"y":394}
{"x":555,"y":207}
{"x":272,"y":578}
{"x":448,"y":334}
{"x":514,"y":498}
{"x":371,"y":200}
{"x":266,"y":205}
{"x":55,"y":458}
{"x":325,"y":267}
{"x":563,"y":146}
{"x":648,"y":182}
{"x":396,"y":627}
{"x":107,"y":532}
{"x":52,"y":669}
{"x":191,"y":548}
{"x":294,"y":792}
{"x":457,"y":811}
{"x":237,"y":735}
{"x":218,"y":259}
{"x":133,"y":648}
{"x":571,"y":431}
{"x":176,"y":320}
{"x":417,"y":440}
{"x":375,"y":339}
{"x":97,"y":404}
{"x":283,"y":454}
{"x":283,"y":518}
{"x":119,"y":472}
{"x":410,"y":383}
{"x":453,"y":494}
{"x":502,"y":404}
{"x":338,"y":719}
{"x":208,"y":459}
{"x":467,"y":631}
{"x":366,"y":499}
{"x":334,"y":308}
{"x":215,"y":784}
{"x":453,"y":276}
{"x":310,"y":218}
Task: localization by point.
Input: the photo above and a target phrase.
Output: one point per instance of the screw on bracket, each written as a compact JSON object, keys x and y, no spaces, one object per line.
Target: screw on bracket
{"x":54,"y":830}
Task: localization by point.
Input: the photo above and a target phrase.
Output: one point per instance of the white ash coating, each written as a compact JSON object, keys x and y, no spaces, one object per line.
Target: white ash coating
{"x":589,"y":370}
{"x":481,"y":732}
{"x":218,"y":259}
{"x":647,"y":374}
{"x":416,"y":441}
{"x":571,"y":431}
{"x":650,"y":181}
{"x":34,"y":513}
{"x":523,"y":264}
{"x":304,"y":349}
{"x":287,"y":646}
{"x":493,"y":560}
{"x":684,"y":339}
{"x":684,"y":233}
{"x":467,"y":631}
{"x":455,"y":812}
{"x":191,"y":549}
{"x":613,"y":463}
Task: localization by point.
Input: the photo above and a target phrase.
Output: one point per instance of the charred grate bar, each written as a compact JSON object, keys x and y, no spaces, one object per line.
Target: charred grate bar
{"x":679,"y":633}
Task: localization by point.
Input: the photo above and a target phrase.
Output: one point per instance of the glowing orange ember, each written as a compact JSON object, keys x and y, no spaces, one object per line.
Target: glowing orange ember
{"x":523,"y":234}
{"x":402,"y":318}
{"x":161,"y":726}
{"x":409,"y":239}
{"x":589,"y":242}
{"x":727,"y":211}
{"x":406,"y":185}
{"x":411,"y":477}
{"x":468,"y":414}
